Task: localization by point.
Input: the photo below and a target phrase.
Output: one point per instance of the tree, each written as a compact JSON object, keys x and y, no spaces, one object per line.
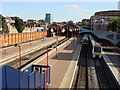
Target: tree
{"x":114,"y":24}
{"x":85,"y":23}
{"x":70,"y":22}
{"x":41,"y":21}
{"x":3,"y":24}
{"x":19,"y":24}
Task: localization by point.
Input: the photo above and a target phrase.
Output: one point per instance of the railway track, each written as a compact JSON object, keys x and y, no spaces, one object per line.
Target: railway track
{"x":82,"y":75}
{"x":104,"y":77}
{"x":33,"y":56}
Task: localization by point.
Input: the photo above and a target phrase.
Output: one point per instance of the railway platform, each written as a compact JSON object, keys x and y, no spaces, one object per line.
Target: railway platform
{"x":63,"y":66}
{"x":12,"y":52}
{"x":113,"y":61}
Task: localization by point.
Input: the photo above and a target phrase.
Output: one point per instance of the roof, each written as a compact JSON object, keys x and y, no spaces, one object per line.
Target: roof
{"x":113,"y":37}
{"x":108,"y":13}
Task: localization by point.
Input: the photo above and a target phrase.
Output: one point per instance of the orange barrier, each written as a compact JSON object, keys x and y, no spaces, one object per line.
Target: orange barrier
{"x":20,"y":37}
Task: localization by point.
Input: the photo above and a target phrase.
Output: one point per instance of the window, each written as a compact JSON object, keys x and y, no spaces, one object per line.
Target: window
{"x":97,"y":49}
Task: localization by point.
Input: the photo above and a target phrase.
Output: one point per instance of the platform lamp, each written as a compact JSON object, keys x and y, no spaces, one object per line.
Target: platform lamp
{"x":56,"y":42}
{"x":51,"y":30}
{"x":5,"y":43}
{"x":20,"y":59}
{"x":30,"y":35}
{"x":67,"y":29}
{"x":63,"y":30}
{"x":47,"y":69}
{"x":71,"y":31}
{"x":56,"y":38}
{"x":75,"y":32}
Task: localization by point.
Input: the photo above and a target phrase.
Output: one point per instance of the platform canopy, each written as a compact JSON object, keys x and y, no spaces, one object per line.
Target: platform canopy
{"x":113,"y":37}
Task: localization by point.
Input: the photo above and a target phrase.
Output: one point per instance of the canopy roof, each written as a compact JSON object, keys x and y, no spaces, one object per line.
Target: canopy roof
{"x":113,"y":37}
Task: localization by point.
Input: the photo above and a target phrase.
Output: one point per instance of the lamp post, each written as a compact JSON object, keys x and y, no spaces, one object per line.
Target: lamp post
{"x":67,"y":30}
{"x":47,"y":70}
{"x":51,"y":31}
{"x":67,"y":27}
{"x":5,"y":43}
{"x":20,"y":59}
{"x":30,"y":34}
{"x":56,"y":42}
{"x":71,"y":32}
{"x":47,"y":56}
{"x":56,"y":28}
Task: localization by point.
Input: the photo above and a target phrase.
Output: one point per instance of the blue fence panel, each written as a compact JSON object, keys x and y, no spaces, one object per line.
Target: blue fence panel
{"x":48,"y":75}
{"x":2,"y":77}
{"x":43,"y":80}
{"x":40,"y":80}
{"x":12,"y":76}
{"x":24,"y":81}
{"x":28,"y":70}
{"x":2,"y":74}
{"x":32,"y":80}
{"x":37,"y":80}
{"x":28,"y":79}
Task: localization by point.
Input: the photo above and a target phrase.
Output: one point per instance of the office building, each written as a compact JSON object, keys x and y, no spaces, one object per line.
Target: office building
{"x":100,"y":20}
{"x":48,"y":18}
{"x":119,"y":5}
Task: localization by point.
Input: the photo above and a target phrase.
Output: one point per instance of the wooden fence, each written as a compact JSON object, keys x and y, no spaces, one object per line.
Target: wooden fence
{"x":11,"y":39}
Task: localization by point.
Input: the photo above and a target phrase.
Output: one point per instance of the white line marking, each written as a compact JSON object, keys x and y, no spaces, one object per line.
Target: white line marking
{"x":112,"y":67}
{"x":75,"y":67}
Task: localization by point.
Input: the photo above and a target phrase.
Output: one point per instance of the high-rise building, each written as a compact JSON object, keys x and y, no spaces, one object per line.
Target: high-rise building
{"x":119,"y":5}
{"x":48,"y":18}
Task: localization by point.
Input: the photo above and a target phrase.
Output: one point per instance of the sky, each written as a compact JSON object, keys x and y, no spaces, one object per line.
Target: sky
{"x":60,"y":11}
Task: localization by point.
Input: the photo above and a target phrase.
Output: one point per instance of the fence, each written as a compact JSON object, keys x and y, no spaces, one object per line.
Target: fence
{"x":10,"y":39}
{"x":32,"y":78}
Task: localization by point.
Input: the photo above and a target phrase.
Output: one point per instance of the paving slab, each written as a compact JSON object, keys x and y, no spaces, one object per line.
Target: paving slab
{"x":113,"y":62}
{"x":62,"y":67}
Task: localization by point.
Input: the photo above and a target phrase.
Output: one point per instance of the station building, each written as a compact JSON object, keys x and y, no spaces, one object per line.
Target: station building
{"x":100,"y":20}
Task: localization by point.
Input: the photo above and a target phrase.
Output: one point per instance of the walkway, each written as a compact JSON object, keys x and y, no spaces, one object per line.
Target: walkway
{"x":62,"y":67}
